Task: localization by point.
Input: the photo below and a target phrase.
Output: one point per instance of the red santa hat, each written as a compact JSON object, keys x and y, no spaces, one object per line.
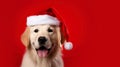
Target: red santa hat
{"x":52,"y":17}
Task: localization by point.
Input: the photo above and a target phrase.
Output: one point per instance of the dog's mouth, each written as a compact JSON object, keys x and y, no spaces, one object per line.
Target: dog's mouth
{"x":43,"y":51}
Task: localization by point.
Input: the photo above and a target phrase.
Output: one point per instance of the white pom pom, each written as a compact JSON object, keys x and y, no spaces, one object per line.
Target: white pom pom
{"x":68,"y":45}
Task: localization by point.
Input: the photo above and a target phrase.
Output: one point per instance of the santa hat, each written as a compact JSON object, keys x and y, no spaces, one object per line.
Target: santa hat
{"x":52,"y":17}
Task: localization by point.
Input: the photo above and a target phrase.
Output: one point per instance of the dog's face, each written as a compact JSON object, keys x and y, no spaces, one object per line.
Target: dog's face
{"x":44,"y":39}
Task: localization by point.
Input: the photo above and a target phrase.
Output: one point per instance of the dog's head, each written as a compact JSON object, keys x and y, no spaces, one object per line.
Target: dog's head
{"x":44,"y":39}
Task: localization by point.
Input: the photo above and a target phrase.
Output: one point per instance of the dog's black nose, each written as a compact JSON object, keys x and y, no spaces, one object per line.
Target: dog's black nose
{"x":42,"y":40}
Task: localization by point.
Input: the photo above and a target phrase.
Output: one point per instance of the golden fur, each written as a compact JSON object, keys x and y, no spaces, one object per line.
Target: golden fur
{"x":54,"y":58}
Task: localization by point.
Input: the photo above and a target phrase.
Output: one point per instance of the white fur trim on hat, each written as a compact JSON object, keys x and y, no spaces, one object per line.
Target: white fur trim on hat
{"x":42,"y":19}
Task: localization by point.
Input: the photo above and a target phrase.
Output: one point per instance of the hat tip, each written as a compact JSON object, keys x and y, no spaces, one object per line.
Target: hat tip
{"x":68,"y":45}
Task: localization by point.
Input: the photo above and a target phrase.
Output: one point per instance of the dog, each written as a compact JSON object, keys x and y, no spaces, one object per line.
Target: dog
{"x":43,"y":46}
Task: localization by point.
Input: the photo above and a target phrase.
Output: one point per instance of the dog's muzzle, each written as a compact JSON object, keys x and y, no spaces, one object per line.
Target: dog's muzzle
{"x":43,"y":50}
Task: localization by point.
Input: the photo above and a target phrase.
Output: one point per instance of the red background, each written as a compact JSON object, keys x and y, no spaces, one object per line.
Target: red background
{"x":94,"y":28}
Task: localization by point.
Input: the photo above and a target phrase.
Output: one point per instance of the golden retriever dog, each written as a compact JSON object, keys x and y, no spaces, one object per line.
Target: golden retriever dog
{"x":43,"y":46}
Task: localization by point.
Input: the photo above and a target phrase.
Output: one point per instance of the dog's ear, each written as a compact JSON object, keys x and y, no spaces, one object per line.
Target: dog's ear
{"x":25,"y":37}
{"x":60,"y":35}
{"x":62,"y":38}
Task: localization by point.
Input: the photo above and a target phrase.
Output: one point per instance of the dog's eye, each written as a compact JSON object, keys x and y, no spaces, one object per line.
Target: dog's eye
{"x":50,"y":30}
{"x":36,"y":30}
